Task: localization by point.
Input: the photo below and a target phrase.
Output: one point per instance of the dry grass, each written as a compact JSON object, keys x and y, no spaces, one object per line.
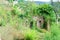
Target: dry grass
{"x":10,"y":33}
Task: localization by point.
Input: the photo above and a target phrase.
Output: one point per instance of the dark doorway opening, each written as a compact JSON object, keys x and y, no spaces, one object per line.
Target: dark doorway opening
{"x":31,"y":24}
{"x":45,"y":25}
{"x":40,"y":23}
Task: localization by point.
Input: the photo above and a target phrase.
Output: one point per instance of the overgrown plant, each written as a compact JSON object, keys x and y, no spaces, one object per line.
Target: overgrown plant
{"x":54,"y":34}
{"x":31,"y":35}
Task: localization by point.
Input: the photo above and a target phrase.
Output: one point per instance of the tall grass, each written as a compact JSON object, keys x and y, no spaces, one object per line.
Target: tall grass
{"x":54,"y":34}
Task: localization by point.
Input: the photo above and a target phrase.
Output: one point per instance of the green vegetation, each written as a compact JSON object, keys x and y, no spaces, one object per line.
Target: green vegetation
{"x":18,"y":23}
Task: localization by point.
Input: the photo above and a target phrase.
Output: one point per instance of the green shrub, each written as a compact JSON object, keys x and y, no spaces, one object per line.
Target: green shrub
{"x":32,"y":35}
{"x":54,"y":34}
{"x":46,"y":11}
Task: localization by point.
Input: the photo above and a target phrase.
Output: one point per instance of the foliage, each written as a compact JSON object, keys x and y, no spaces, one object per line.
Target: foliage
{"x":54,"y":34}
{"x":17,"y":16}
{"x":3,"y":17}
{"x":32,"y":35}
{"x":10,"y":1}
{"x":46,"y":11}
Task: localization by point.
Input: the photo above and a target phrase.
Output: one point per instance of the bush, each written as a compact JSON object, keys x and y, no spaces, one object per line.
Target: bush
{"x":54,"y":34}
{"x":32,"y":35}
